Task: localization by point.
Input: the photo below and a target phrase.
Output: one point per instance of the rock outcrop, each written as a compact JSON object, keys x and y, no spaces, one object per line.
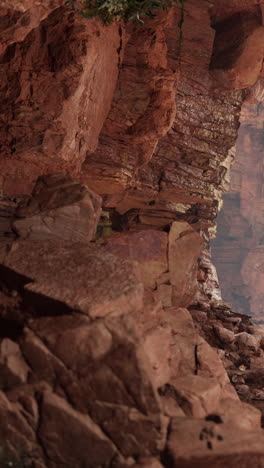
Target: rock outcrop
{"x":116,"y":349}
{"x":98,"y":359}
{"x":189,"y":166}
{"x":58,"y":207}
{"x":58,"y":77}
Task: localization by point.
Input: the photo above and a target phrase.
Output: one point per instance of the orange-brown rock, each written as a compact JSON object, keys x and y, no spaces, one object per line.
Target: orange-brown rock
{"x":70,"y":377}
{"x":62,"y":346}
{"x":184,"y":248}
{"x":59,"y":208}
{"x":18,"y":18}
{"x":100,"y":365}
{"x":224,"y":335}
{"x":189,"y":167}
{"x":148,"y":248}
{"x":238,"y":49}
{"x":18,"y":435}
{"x":148,"y":463}
{"x":163,"y":80}
{"x":79,"y":432}
{"x":91,"y":294}
{"x":13,"y":367}
{"x":195,"y":443}
{"x":245,"y":340}
{"x":58,"y":77}
{"x":156,"y":367}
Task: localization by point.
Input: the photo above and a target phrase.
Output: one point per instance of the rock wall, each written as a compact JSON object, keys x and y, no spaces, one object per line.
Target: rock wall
{"x":238,"y":250}
{"x":189,"y":165}
{"x":117,"y":350}
{"x":58,"y":79}
{"x":102,"y":366}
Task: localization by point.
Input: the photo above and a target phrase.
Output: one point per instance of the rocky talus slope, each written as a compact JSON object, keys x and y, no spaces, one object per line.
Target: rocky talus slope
{"x":116,"y":349}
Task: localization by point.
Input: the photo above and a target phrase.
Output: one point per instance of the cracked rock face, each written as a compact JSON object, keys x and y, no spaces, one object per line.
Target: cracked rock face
{"x":58,"y":78}
{"x":59,"y":208}
{"x":116,"y":349}
{"x":101,"y":362}
{"x":195,"y":443}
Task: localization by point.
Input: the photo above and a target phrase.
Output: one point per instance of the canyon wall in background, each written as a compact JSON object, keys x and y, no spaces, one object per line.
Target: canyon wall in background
{"x":238,"y":251}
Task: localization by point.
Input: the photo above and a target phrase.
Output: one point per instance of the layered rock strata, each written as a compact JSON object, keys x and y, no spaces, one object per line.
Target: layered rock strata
{"x":58,"y":77}
{"x":189,"y":166}
{"x":113,"y":350}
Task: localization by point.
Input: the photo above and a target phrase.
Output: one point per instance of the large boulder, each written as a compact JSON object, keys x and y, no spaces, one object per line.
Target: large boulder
{"x":185,"y":245}
{"x":83,"y":442}
{"x":148,"y":248}
{"x":77,"y":275}
{"x":60,"y":208}
{"x":195,"y":443}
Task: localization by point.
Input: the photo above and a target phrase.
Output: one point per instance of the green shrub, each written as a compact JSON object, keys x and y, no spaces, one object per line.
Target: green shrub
{"x":116,"y":10}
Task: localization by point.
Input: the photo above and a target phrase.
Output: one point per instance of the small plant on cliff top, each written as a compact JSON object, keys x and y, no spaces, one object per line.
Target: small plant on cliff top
{"x":116,"y":10}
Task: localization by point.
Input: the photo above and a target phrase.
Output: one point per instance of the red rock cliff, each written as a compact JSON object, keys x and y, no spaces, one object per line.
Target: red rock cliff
{"x":114,"y":349}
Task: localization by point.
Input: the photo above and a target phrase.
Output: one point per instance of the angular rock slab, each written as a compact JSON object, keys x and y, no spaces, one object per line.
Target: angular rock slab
{"x":236,"y":63}
{"x":16,"y":434}
{"x":102,"y":368}
{"x":27,"y":15}
{"x":198,"y":396}
{"x":185,"y":246}
{"x":148,"y":248}
{"x":148,"y":463}
{"x":70,"y":438}
{"x":196,"y":443}
{"x":157,"y":344}
{"x":60,"y":208}
{"x":247,"y":342}
{"x":225,"y":336}
{"x":240,"y":414}
{"x":83,"y":277}
{"x":13,"y":368}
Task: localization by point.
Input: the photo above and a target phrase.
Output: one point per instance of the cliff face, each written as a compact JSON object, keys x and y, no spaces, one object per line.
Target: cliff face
{"x":188,"y":165}
{"x":116,"y":148}
{"x":238,"y":249}
{"x":59,"y":76}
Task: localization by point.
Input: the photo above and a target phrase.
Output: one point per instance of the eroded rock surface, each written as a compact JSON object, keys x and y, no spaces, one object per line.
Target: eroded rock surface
{"x":117,"y":351}
{"x":58,"y":208}
{"x":58,"y":75}
{"x":98,"y":358}
{"x":195,"y":443}
{"x":189,"y":166}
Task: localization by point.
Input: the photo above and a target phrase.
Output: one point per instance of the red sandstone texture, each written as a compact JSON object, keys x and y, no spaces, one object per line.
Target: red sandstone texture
{"x":115,"y":347}
{"x":57,"y":84}
{"x":95,"y":366}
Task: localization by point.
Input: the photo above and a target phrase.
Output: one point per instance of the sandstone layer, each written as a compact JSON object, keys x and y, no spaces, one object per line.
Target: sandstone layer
{"x":116,"y":349}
